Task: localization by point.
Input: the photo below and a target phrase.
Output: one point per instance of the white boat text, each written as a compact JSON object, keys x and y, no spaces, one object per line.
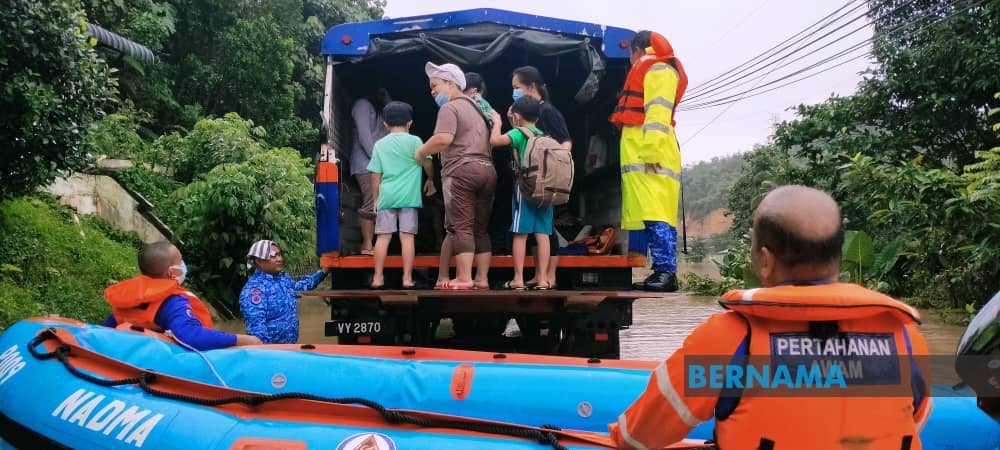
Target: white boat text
{"x":11,"y":363}
{"x":86,"y":409}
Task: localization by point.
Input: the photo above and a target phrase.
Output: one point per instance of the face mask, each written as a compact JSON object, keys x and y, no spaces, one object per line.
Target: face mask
{"x":517,"y":94}
{"x":441,"y":99}
{"x":184,"y":271}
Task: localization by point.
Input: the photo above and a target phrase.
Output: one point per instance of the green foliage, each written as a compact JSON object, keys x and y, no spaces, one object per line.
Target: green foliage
{"x":708,"y":286}
{"x":266,"y":197}
{"x":53,"y":86}
{"x":707,"y":184}
{"x":116,"y":136}
{"x":256,"y":43}
{"x":764,"y":169}
{"x":899,"y":157}
{"x":154,"y":187}
{"x":736,"y":264}
{"x":56,"y":262}
{"x":228,"y":140}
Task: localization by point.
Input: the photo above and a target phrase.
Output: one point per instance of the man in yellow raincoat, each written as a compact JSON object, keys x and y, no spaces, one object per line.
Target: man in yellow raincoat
{"x":650,"y":154}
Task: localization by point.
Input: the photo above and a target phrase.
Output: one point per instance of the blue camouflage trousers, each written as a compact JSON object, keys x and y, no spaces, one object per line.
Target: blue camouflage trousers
{"x":662,"y":241}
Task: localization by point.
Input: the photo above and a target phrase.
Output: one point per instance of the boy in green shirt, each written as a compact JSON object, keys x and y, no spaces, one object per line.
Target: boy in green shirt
{"x":396,"y":185}
{"x":527,"y":218}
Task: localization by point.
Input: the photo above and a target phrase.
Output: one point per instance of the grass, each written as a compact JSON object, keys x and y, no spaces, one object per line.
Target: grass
{"x":53,"y":261}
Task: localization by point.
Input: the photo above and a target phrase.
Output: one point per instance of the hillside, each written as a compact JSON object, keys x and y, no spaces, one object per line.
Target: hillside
{"x":712,"y":224}
{"x":706,"y":188}
{"x":58,"y":262}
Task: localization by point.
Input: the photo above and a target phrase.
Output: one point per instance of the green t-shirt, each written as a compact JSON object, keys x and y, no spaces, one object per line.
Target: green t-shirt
{"x":519,"y":141}
{"x":392,"y":157}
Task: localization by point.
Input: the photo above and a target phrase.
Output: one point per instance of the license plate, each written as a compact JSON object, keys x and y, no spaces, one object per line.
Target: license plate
{"x":361,"y":327}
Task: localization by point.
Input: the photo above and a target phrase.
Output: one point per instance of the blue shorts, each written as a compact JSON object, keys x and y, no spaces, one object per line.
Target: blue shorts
{"x":529,"y":218}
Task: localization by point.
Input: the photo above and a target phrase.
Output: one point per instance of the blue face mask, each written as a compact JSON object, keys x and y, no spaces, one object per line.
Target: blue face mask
{"x":517,"y":94}
{"x":441,"y":99}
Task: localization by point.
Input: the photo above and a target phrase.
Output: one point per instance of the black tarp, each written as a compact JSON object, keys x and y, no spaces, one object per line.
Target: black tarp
{"x":482,"y":44}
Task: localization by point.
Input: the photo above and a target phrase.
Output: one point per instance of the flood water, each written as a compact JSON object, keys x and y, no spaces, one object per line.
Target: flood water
{"x":659,"y":325}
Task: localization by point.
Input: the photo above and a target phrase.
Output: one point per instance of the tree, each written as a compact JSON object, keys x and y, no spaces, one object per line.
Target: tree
{"x":53,"y":85}
{"x":266,"y":197}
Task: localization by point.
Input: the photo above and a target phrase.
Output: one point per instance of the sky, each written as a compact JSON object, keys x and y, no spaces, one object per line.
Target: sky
{"x":711,"y":37}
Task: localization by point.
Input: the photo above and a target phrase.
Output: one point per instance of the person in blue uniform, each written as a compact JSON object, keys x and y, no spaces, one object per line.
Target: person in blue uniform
{"x":268,"y":300}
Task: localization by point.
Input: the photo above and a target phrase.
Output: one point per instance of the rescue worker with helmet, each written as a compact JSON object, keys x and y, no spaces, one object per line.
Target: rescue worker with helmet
{"x":796,"y":239}
{"x":156,"y":301}
{"x":650,"y":154}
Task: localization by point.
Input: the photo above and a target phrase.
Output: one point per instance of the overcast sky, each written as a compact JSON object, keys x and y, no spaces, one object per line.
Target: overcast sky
{"x":711,"y":37}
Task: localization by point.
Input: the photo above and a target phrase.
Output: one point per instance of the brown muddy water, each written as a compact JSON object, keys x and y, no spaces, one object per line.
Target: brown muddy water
{"x":658,"y":329}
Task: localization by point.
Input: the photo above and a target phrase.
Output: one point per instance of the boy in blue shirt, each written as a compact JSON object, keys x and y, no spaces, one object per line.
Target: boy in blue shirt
{"x":396,"y":184}
{"x":528,"y":218}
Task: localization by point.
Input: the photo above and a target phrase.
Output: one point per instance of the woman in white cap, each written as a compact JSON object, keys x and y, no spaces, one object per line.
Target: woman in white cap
{"x":268,"y":300}
{"x":468,"y":179}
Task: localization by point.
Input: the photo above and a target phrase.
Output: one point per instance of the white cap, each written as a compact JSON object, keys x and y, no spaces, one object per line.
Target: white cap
{"x":447,"y":72}
{"x":259,"y":250}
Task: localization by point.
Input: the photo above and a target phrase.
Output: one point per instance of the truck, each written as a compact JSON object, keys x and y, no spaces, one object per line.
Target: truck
{"x":584,"y":65}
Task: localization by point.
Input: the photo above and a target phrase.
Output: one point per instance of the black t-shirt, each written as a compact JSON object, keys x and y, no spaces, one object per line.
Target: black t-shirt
{"x":551,"y":121}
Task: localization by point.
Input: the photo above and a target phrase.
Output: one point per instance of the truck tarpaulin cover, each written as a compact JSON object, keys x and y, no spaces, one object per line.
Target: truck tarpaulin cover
{"x":481,"y":44}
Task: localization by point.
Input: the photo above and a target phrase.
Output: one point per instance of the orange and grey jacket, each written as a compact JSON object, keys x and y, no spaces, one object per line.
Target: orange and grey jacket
{"x":884,"y":406}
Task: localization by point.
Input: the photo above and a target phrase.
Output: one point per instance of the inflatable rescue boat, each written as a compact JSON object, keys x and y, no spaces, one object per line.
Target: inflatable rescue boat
{"x":67,"y":384}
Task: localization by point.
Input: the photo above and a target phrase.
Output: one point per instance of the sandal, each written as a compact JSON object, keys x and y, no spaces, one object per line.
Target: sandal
{"x":368,"y":252}
{"x":513,"y":288}
{"x":452,"y":287}
{"x":539,"y":287}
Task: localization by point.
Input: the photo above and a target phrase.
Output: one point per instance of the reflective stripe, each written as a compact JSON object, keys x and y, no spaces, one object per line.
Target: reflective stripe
{"x":675,"y":400}
{"x":656,"y":127}
{"x":922,"y":420}
{"x":748,"y":294}
{"x":662,"y":171}
{"x":663,"y":66}
{"x":623,"y":428}
{"x":659,"y":101}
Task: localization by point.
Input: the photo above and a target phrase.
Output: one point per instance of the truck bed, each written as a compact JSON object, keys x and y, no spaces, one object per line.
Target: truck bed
{"x":504,"y":261}
{"x":494,"y":300}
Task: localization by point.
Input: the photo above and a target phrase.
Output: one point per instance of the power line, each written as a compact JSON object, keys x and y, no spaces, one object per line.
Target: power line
{"x":709,"y":82}
{"x":703,"y":103}
{"x":730,"y":103}
{"x":716,"y":88}
{"x":722,"y":101}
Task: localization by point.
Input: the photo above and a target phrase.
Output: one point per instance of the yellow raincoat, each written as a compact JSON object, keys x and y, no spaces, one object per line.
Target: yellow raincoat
{"x":652,"y":195}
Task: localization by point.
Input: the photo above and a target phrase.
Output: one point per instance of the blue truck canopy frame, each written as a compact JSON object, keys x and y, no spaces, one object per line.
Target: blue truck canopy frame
{"x":354,"y":39}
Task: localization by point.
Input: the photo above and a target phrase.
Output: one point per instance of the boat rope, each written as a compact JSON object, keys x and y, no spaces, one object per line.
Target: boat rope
{"x":207,"y":361}
{"x":145,"y":379}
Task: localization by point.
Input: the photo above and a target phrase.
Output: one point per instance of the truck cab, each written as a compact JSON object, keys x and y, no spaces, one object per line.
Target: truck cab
{"x":584,"y":66}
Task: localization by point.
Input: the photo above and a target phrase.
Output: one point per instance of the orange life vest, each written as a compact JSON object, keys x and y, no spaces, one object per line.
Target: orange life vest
{"x":866,"y":323}
{"x":631,"y":109}
{"x":137,"y":300}
{"x":883,"y":408}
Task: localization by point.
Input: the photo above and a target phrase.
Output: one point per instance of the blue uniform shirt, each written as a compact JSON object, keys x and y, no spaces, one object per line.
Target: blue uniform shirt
{"x":175,"y":315}
{"x":270,"y":307}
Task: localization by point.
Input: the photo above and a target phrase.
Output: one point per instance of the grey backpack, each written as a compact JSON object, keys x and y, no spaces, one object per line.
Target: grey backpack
{"x":545,"y":176}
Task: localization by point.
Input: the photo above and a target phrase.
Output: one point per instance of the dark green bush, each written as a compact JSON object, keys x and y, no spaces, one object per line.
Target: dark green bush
{"x":53,"y":86}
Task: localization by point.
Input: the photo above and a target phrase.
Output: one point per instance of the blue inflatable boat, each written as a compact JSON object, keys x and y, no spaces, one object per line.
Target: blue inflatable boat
{"x":66,"y":384}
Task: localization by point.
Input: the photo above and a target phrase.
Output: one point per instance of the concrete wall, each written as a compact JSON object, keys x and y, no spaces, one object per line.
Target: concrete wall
{"x":103,"y":196}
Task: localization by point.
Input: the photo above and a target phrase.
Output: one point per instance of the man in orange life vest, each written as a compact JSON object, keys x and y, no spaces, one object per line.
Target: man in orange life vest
{"x":796,"y":239}
{"x":156,"y":301}
{"x":650,"y":158}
